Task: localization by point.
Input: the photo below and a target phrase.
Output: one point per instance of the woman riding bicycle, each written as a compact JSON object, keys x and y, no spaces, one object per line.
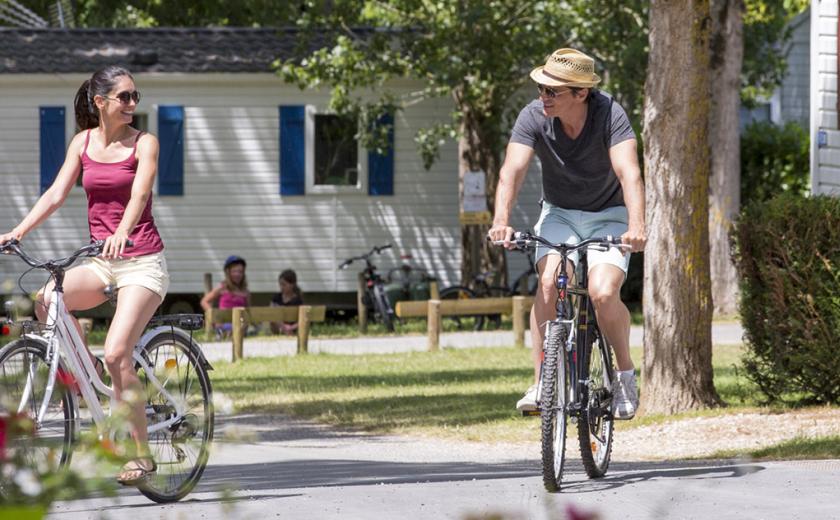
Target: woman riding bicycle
{"x":120,"y":166}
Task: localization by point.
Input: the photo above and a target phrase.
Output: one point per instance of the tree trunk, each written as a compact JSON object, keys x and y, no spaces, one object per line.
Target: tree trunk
{"x":727,"y":47}
{"x":477,"y":152}
{"x":677,"y":369}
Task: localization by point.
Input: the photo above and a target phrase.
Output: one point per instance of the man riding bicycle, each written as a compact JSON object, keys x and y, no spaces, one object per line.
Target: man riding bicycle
{"x":592,"y":186}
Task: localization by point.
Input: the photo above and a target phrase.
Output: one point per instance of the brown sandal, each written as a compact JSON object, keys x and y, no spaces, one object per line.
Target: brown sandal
{"x":136,"y":471}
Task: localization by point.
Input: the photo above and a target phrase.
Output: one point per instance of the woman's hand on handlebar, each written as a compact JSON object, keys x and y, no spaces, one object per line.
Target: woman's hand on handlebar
{"x":502,"y":233}
{"x":11,"y":235}
{"x":115,"y":245}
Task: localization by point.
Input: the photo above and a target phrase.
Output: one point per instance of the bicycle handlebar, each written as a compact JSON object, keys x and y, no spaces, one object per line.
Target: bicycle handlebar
{"x":366,"y":256}
{"x":524,"y":239}
{"x":92,"y":249}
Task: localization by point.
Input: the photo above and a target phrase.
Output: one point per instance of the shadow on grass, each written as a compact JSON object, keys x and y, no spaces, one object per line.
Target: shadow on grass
{"x":322,"y":383}
{"x":387,"y":413}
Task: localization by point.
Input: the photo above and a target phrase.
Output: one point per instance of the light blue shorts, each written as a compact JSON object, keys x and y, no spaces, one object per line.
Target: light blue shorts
{"x":573,"y":226}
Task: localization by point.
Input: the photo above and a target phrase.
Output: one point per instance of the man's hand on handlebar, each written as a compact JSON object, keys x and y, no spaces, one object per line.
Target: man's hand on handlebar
{"x":635,"y":238}
{"x":502,"y":233}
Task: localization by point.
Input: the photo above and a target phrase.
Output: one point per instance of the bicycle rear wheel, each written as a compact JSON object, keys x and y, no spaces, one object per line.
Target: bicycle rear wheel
{"x":554,"y":398}
{"x":24,"y":374}
{"x":457,"y":292}
{"x":595,"y":428}
{"x":492,"y":321}
{"x":182,"y":449}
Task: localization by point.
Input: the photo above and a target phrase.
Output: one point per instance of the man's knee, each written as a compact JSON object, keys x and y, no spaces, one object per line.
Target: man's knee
{"x":604,"y":294}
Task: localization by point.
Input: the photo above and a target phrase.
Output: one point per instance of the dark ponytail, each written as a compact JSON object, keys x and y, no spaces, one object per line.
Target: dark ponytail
{"x":100,"y":84}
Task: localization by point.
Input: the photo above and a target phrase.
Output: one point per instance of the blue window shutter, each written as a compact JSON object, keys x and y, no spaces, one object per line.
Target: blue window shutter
{"x":171,"y":159}
{"x":52,"y":144}
{"x":381,"y":167}
{"x":292,"y":150}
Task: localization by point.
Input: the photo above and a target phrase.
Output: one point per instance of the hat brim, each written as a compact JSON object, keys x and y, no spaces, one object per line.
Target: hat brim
{"x":540,"y":76}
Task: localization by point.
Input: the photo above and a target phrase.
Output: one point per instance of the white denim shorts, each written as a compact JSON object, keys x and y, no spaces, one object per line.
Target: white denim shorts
{"x":147,"y":271}
{"x":572,"y":226}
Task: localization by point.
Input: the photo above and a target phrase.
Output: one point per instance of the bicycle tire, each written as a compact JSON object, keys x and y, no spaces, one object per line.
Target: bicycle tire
{"x":56,"y":434}
{"x":596,"y":426}
{"x":382,"y":307}
{"x":179,"y":366}
{"x":494,"y":320}
{"x":554,"y":386}
{"x":456,"y":292}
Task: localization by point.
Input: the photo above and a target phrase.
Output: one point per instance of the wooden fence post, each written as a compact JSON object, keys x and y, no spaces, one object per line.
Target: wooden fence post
{"x":360,"y":303}
{"x":434,"y":324}
{"x":239,"y":326}
{"x":519,"y":321}
{"x":434,"y":290}
{"x":304,"y":314}
{"x":208,"y":324}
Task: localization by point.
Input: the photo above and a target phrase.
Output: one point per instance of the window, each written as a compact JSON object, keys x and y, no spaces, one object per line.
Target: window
{"x":336,"y":151}
{"x":140,"y":122}
{"x":334,"y":161}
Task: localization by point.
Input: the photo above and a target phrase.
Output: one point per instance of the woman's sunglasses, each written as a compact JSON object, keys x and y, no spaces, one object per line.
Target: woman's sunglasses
{"x":125,"y":97}
{"x":550,"y":92}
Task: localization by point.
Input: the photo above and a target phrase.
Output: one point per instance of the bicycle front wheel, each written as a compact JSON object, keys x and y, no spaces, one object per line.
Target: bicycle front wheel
{"x":24,"y":374}
{"x":554,"y":399}
{"x":383,"y":307}
{"x":180,"y":450}
{"x":595,"y":428}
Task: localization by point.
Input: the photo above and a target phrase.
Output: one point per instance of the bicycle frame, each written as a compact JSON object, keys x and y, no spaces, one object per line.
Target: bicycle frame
{"x":64,"y":342}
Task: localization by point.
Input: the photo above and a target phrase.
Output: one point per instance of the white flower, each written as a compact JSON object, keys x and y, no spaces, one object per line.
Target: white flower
{"x":27,"y":483}
{"x":222,"y":403}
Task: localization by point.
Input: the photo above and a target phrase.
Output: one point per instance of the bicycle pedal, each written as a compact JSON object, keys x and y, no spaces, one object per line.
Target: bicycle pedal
{"x":531,"y":413}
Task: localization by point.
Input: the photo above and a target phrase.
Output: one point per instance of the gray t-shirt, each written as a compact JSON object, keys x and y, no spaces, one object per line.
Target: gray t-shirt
{"x":577,"y":173}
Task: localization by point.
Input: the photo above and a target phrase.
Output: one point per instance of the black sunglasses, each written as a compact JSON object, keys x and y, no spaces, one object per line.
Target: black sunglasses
{"x":550,"y":92}
{"x":125,"y":97}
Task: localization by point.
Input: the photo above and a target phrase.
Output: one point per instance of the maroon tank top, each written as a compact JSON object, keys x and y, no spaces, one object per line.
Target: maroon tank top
{"x":108,"y":189}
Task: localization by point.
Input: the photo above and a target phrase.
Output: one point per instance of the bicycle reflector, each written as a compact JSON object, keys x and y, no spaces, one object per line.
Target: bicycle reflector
{"x":5,"y":330}
{"x":171,"y":365}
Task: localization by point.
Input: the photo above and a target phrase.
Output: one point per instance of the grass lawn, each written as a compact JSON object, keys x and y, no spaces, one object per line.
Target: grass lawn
{"x":468,"y":394}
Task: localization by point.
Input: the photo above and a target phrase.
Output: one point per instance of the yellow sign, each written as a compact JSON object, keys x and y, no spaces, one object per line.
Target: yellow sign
{"x":474,"y":218}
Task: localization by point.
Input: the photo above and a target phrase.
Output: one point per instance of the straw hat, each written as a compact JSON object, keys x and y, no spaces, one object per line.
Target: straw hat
{"x":567,"y":68}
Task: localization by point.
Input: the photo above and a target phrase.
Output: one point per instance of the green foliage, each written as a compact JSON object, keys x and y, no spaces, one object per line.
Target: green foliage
{"x":477,"y":52}
{"x":787,"y":252}
{"x":774,"y":159}
{"x":163,"y":13}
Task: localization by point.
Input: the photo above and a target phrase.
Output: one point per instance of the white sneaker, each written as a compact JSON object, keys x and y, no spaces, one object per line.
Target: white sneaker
{"x":625,"y":397}
{"x":528,"y":402}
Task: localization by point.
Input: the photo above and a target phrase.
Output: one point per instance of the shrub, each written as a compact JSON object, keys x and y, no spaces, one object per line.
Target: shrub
{"x":774,"y":160}
{"x":787,"y":252}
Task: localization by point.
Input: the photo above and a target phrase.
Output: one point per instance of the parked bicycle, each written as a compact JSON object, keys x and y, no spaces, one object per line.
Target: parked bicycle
{"x":577,"y":371}
{"x":407,"y":282}
{"x":375,"y":296}
{"x":480,"y":287}
{"x":42,"y":371}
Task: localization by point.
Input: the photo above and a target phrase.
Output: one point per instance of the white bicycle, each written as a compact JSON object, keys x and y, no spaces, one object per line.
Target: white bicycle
{"x":172,"y":370}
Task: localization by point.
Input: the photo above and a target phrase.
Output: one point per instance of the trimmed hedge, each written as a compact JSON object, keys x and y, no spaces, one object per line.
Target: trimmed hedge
{"x":787,"y":252}
{"x":774,"y":160}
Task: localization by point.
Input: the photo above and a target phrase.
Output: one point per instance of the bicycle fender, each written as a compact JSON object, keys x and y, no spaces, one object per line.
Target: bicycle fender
{"x":166,"y":329}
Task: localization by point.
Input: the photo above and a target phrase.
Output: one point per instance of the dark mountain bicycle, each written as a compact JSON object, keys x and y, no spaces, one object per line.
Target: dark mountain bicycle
{"x":375,"y":296}
{"x":480,"y":287}
{"x":577,"y":371}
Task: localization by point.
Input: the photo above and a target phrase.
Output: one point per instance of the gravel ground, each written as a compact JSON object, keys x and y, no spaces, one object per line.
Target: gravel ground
{"x":703,"y":436}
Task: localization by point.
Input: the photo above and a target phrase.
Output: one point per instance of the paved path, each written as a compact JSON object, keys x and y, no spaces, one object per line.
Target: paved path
{"x":293,"y":469}
{"x":723,"y":333}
